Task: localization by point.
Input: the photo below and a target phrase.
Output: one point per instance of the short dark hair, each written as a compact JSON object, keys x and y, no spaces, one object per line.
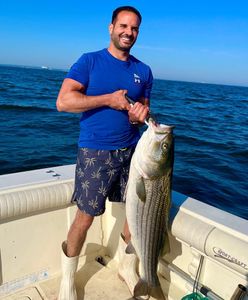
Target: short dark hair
{"x":126,"y":8}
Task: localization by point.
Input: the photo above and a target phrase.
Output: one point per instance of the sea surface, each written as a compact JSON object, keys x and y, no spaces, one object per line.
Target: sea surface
{"x":211,"y":132}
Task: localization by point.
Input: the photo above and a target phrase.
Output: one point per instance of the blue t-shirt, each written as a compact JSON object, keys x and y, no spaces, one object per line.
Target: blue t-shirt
{"x":101,"y":73}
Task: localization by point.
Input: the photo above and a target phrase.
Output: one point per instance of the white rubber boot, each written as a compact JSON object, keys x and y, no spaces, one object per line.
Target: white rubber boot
{"x":128,"y":267}
{"x":69,"y":267}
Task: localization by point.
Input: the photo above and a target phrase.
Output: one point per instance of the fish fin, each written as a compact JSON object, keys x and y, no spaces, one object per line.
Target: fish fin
{"x":157,"y":293}
{"x":130,"y":249}
{"x":166,"y":246}
{"x":141,"y":288}
{"x":140,"y":189}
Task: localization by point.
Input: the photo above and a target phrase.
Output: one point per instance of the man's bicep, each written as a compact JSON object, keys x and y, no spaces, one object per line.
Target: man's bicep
{"x":71,"y":85}
{"x":68,"y":86}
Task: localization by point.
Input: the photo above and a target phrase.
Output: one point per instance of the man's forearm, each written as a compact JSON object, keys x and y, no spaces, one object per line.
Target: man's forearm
{"x":77,"y":102}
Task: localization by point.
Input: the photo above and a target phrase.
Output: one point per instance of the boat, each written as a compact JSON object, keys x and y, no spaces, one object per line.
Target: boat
{"x":209,"y":247}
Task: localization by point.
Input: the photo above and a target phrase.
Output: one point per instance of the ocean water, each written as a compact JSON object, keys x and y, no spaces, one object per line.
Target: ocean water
{"x":211,"y":132}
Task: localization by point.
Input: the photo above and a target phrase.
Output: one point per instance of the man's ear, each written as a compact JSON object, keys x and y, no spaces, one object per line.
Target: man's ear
{"x":111,"y":26}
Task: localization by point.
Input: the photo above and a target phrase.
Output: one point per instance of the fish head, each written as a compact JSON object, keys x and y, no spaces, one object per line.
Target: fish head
{"x":155,"y":150}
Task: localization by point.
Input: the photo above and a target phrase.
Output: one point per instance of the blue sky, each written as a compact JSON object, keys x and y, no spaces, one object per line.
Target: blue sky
{"x":202,"y":41}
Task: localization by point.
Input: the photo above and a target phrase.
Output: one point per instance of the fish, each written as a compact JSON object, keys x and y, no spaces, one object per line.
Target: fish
{"x":148,"y":201}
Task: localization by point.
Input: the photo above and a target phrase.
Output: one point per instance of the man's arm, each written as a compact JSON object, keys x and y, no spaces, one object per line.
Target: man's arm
{"x":72,"y":98}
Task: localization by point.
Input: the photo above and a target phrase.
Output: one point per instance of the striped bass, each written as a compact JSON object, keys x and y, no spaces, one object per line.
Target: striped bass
{"x":148,"y":196}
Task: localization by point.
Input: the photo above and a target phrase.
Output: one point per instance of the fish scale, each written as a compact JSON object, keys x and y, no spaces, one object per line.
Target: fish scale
{"x":148,"y":195}
{"x":151,"y":239}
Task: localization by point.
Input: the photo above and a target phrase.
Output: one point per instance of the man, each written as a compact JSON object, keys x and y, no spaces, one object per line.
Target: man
{"x":96,"y":85}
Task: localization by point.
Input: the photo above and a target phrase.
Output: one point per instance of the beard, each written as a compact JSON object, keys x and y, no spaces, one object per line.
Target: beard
{"x":120,"y":45}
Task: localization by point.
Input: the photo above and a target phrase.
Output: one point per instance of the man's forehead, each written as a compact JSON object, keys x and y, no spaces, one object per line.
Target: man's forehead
{"x":125,"y":16}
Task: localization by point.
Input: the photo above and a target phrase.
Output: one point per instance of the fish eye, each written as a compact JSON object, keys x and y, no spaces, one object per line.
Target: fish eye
{"x":164,"y":146}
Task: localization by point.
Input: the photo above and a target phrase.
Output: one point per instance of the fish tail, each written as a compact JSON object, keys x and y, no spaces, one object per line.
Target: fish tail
{"x":157,"y":293}
{"x":141,"y":288}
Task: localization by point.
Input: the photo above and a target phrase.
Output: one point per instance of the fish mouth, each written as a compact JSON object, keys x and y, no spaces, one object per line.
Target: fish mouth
{"x":160,"y":128}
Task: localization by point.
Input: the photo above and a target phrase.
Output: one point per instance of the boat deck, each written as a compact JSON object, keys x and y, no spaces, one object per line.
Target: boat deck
{"x":94,"y":281}
{"x":35,"y":216}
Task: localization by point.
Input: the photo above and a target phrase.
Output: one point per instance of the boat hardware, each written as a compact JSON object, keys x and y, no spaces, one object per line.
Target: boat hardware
{"x":100,"y":260}
{"x":239,"y":292}
{"x":202,"y":288}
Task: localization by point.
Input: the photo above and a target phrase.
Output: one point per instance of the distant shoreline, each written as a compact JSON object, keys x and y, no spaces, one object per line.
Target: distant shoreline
{"x":34,"y":67}
{"x":48,"y":68}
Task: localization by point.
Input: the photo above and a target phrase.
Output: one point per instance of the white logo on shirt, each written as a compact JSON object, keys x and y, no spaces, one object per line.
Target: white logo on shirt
{"x":136,"y":78}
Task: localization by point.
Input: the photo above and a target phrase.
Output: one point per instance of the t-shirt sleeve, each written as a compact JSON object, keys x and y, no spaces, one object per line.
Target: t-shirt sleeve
{"x":148,"y":87}
{"x":79,"y":71}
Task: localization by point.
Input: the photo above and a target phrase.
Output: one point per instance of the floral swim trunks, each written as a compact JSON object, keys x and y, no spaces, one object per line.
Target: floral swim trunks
{"x":100,"y":174}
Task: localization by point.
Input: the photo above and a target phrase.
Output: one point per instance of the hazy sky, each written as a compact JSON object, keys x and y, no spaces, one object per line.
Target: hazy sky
{"x":203,"y":41}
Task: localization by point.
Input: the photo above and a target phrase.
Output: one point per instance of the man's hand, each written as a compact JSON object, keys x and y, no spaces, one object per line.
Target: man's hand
{"x":118,"y":100}
{"x":138,"y":113}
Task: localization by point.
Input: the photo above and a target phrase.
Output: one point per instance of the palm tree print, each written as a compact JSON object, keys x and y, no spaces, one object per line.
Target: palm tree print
{"x":93,"y":203}
{"x":89,"y":161}
{"x":123,"y":183}
{"x":80,"y":172}
{"x":80,"y":200}
{"x":121,"y":159}
{"x":111,"y":173}
{"x":109,"y":162}
{"x":102,"y":190}
{"x":85,"y":186}
{"x":85,"y":151}
{"x":96,"y":174}
{"x":99,"y":152}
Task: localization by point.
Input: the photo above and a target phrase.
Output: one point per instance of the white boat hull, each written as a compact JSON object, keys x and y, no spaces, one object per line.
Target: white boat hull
{"x":36,"y":213}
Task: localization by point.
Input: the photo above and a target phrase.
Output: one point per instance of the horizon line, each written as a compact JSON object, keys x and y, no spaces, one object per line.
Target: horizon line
{"x":48,"y":68}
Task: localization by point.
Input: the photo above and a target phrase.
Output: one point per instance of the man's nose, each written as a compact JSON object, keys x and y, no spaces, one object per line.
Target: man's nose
{"x":129,"y":31}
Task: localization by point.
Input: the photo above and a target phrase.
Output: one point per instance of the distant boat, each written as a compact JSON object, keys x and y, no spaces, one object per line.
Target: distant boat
{"x":45,"y":67}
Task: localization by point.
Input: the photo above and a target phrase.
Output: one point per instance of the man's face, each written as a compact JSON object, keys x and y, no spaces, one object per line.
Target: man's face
{"x":124,"y":31}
